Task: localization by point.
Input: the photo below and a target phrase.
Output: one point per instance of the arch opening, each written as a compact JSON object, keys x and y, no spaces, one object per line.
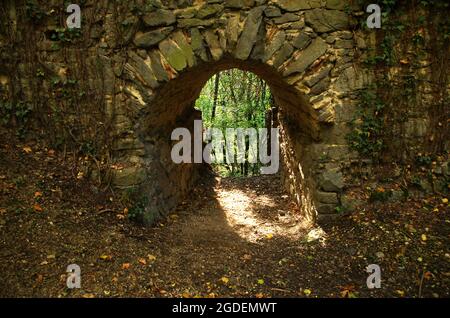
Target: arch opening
{"x":173,"y":106}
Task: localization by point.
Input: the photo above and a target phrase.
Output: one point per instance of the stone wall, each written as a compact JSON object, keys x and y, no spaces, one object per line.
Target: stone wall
{"x":120,"y":85}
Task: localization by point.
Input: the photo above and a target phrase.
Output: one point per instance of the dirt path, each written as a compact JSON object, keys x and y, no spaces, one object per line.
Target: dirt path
{"x":240,"y":237}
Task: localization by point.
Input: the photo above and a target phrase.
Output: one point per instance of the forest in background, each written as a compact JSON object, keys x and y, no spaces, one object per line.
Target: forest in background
{"x":236,"y":99}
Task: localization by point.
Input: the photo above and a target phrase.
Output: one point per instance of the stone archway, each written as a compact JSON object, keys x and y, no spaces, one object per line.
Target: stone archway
{"x":300,"y":48}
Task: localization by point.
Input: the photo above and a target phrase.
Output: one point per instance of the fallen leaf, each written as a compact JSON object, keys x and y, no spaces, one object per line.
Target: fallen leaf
{"x":37,"y":208}
{"x":423,"y":237}
{"x":37,"y":194}
{"x":261,"y":281}
{"x":142,"y":261}
{"x":27,"y":149}
{"x":126,"y":265}
{"x":259,"y":295}
{"x":88,"y":296}
{"x":225,"y":280}
{"x":105,"y":257}
{"x":307,"y":292}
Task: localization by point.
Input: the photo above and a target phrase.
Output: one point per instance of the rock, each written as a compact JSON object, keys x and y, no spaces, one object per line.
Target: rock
{"x":197,"y":44}
{"x":344,"y":44}
{"x":293,"y":5}
{"x":272,"y":12}
{"x":157,"y":66}
{"x":350,"y":80}
{"x":327,"y":197}
{"x":159,"y":17}
{"x":232,"y":31}
{"x":274,"y":45}
{"x":248,"y":36}
{"x":287,"y":17}
{"x":282,"y":55}
{"x":320,"y":87}
{"x":326,"y":208}
{"x":128,"y":177}
{"x":144,"y":70}
{"x":149,"y":39}
{"x":301,"y":41}
{"x":326,"y":20}
{"x":239,"y":4}
{"x":317,"y":77}
{"x":209,"y":10}
{"x":315,"y":50}
{"x":181,"y":40}
{"x":336,"y":4}
{"x":213,"y":44}
{"x":332,"y":180}
{"x":173,"y":54}
{"x":190,"y":23}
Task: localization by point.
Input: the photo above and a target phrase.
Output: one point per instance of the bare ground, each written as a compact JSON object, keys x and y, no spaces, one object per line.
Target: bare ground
{"x":233,"y":238}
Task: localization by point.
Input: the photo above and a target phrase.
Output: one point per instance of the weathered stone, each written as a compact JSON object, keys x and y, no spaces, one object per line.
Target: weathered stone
{"x":239,"y":4}
{"x":326,"y":20}
{"x":180,"y":39}
{"x":209,"y":10}
{"x":190,"y":23}
{"x":321,"y":86}
{"x":327,"y":197}
{"x":157,"y":66}
{"x":282,"y":55}
{"x":129,"y":176}
{"x":197,"y":44}
{"x":336,"y":4}
{"x":214,"y":44}
{"x":315,"y":78}
{"x":144,"y":70}
{"x":159,"y":17}
{"x":248,"y":36}
{"x":149,"y":39}
{"x":287,"y":17}
{"x":315,"y":50}
{"x":274,"y":45}
{"x":332,"y":180}
{"x":187,"y":13}
{"x":173,"y":54}
{"x":301,"y":41}
{"x":350,"y":80}
{"x":293,"y":5}
{"x":128,"y":144}
{"x":416,"y":127}
{"x":272,"y":12}
{"x":344,"y":44}
{"x":232,"y":31}
{"x":325,"y":208}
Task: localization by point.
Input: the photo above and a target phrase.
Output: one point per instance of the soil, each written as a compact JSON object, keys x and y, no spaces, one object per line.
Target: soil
{"x":234,"y":237}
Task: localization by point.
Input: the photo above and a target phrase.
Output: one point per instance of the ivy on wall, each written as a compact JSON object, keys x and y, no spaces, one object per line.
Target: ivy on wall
{"x":411,"y":33}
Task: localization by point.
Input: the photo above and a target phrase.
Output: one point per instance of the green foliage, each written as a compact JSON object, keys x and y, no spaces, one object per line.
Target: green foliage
{"x":66,"y":35}
{"x":242,"y":101}
{"x":33,"y":11}
{"x":366,"y":136}
{"x":19,"y":112}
